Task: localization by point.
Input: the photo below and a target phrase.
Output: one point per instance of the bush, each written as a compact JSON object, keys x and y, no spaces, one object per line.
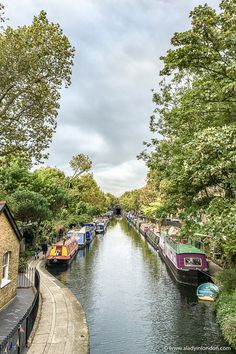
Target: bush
{"x":229,"y":330}
{"x":22,"y":265}
{"x":227,"y":279}
{"x":226,"y":314}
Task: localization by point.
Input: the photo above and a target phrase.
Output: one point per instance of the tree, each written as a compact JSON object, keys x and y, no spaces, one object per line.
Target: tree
{"x":51,"y":183}
{"x":35,"y":61}
{"x":131,"y":200}
{"x":30,"y":207}
{"x":14,"y":175}
{"x":193,"y":153}
{"x":80,"y":163}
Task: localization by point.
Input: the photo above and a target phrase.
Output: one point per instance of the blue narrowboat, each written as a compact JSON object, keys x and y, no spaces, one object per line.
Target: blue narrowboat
{"x":91,"y":228}
{"x":81,"y":237}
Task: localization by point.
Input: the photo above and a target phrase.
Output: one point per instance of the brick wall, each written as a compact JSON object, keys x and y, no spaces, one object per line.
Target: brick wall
{"x":8,"y":243}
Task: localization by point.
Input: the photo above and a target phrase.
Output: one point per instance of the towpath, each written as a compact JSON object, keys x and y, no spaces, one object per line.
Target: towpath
{"x":61,"y":326}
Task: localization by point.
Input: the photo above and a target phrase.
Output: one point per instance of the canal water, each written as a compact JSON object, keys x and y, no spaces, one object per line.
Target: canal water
{"x":132,"y":303}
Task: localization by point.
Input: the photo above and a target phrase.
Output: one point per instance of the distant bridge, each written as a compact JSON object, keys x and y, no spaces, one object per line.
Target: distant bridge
{"x":117,"y":210}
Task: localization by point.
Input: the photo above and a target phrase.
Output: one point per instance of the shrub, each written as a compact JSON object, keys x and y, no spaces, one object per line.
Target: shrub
{"x":227,"y":279}
{"x":22,"y":265}
{"x":226,"y":314}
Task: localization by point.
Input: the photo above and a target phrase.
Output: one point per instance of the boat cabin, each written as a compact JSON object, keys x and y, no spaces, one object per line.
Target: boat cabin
{"x":100,"y":228}
{"x":63,"y":251}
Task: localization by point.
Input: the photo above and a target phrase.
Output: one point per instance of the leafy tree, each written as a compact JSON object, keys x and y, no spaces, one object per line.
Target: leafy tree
{"x":80,"y":163}
{"x":35,"y":61}
{"x":14,"y":174}
{"x":111,"y":200}
{"x":51,"y":183}
{"x":30,"y":207}
{"x":131,"y":200}
{"x":85,"y":189}
{"x":193,"y":153}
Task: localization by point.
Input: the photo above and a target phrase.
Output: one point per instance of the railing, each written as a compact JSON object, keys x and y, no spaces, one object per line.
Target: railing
{"x":27,"y":279}
{"x":17,"y":340}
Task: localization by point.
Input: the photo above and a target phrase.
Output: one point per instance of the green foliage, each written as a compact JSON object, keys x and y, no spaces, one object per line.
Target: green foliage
{"x":29,"y":206}
{"x":51,"y":183}
{"x":226,"y":314}
{"x":35,"y":61}
{"x":14,"y":174}
{"x":131,"y":200}
{"x":80,"y":163}
{"x":227,"y":280}
{"x":193,"y":155}
{"x":22,"y":264}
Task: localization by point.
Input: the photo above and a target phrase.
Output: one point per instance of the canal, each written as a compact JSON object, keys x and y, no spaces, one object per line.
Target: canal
{"x":132,"y":304}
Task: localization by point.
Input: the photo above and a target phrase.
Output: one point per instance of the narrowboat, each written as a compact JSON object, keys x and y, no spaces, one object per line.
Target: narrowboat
{"x":80,"y":236}
{"x":130,"y":218}
{"x":101,"y":226}
{"x":89,"y":234}
{"x":187,"y":263}
{"x":143,"y":228}
{"x":207,"y":292}
{"x":153,"y":236}
{"x":91,"y":227}
{"x":63,"y":252}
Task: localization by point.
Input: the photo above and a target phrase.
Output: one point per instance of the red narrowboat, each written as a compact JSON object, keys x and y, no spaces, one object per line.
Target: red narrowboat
{"x":63,"y":252}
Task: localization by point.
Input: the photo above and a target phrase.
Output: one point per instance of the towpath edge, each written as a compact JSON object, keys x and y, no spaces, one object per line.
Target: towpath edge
{"x":62,"y":326}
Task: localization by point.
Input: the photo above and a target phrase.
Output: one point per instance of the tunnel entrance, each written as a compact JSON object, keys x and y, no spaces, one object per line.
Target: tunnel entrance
{"x":117,"y":210}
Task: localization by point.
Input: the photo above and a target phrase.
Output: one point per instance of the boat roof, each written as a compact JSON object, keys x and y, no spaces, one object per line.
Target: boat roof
{"x":187,"y":248}
{"x":82,"y":230}
{"x":64,"y":242}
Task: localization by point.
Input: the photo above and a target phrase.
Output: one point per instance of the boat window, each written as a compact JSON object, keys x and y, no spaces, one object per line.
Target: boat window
{"x":190,"y":261}
{"x":58,"y":251}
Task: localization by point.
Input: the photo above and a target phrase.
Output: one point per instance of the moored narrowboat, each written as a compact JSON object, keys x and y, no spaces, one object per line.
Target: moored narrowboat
{"x":187,"y":263}
{"x":90,"y":231}
{"x":80,"y":236}
{"x":153,"y":237}
{"x":101,"y":225}
{"x":63,"y":252}
{"x":89,"y":234}
{"x":100,"y":228}
{"x":143,"y":228}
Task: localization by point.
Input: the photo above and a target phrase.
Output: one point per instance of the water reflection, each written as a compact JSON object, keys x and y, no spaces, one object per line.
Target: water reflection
{"x":132,"y":303}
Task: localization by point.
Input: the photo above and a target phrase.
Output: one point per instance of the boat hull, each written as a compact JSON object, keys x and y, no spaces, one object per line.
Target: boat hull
{"x":152,"y":240}
{"x":206,"y":298}
{"x":59,"y":261}
{"x":207,"y":292}
{"x":81,"y":246}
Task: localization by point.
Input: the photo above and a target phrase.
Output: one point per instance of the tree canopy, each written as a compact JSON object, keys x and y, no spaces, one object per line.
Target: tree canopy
{"x":192,"y":154}
{"x":35,"y":61}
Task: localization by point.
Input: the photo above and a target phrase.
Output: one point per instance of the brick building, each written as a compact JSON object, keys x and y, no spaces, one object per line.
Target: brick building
{"x":10,"y":237}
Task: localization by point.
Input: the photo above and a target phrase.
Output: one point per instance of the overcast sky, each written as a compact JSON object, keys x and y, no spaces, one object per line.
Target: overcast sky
{"x":105,"y":112}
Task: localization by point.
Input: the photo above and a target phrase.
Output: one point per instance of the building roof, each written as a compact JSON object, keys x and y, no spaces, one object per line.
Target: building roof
{"x":4,"y":209}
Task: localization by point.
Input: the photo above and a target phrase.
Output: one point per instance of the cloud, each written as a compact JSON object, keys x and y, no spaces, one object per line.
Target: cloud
{"x":117,"y":179}
{"x":105,"y":112}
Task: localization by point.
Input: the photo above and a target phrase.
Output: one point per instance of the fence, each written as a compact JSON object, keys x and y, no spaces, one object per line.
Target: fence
{"x":16,"y":342}
{"x":27,"y":279}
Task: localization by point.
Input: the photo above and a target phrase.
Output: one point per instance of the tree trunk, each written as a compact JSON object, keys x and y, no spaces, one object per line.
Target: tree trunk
{"x":36,"y":235}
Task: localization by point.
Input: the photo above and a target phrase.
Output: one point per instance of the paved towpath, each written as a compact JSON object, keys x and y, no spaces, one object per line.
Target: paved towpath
{"x":62,"y":326}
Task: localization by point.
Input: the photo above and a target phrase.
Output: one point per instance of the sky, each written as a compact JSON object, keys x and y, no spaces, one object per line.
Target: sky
{"x":105,"y":112}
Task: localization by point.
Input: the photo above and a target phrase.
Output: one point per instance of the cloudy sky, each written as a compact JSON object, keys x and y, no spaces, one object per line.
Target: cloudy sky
{"x":105,"y":112}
